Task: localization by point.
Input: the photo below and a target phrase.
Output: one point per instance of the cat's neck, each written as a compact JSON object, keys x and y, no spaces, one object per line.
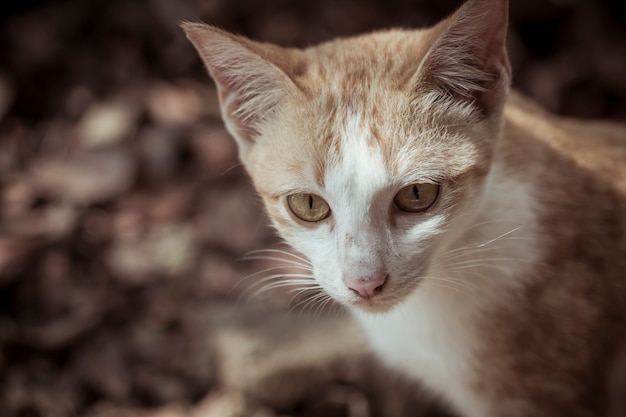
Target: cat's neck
{"x":483,"y":266}
{"x":498,"y":240}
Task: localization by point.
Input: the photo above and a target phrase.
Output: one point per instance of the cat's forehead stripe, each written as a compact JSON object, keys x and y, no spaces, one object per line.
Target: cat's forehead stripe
{"x":358,"y":171}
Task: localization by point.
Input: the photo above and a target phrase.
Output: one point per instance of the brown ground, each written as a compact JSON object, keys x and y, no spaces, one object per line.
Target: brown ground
{"x":125,"y":218}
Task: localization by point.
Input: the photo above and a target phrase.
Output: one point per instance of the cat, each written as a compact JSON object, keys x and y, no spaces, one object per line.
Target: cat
{"x":479,"y":240}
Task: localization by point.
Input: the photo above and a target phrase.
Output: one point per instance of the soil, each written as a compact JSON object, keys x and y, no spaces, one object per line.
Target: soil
{"x":126,"y":220}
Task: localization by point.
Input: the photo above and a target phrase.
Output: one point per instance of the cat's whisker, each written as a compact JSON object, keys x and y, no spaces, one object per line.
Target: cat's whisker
{"x":281,"y":252}
{"x":315,"y":307}
{"x":487,"y":222}
{"x":449,"y":256}
{"x":283,"y":278}
{"x":284,"y":261}
{"x":466,"y":269}
{"x":337,"y":308}
{"x":455,"y":285}
{"x":301,"y":290}
{"x":494,"y":259}
{"x":449,"y":287}
{"x":285,"y":283}
{"x":504,"y":263}
{"x":484,"y":243}
{"x":264,"y":271}
{"x":307,"y":277}
{"x":487,"y":245}
{"x":276,"y":285}
{"x":252,"y":275}
{"x":490,"y":241}
{"x":297,"y":293}
{"x":460,"y":283}
{"x":289,"y":266}
{"x":272,"y":277}
{"x":285,"y":255}
{"x":473,"y":271}
{"x":307,"y":302}
{"x":324,"y":304}
{"x":280,"y":277}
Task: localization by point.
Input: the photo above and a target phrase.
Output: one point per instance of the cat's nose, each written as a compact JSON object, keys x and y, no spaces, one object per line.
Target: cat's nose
{"x":367,"y":287}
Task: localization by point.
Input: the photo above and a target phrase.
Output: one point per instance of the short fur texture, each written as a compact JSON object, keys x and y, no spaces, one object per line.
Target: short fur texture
{"x":506,"y":297}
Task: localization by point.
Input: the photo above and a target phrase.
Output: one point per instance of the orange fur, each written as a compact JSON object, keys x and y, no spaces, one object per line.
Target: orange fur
{"x":530,"y":222}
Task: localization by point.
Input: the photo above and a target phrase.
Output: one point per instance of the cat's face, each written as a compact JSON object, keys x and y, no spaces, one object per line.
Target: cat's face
{"x":370,"y":153}
{"x":343,"y":192}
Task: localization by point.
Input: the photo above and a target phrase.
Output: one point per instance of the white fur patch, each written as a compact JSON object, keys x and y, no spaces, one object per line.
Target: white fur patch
{"x":432,"y":334}
{"x":481,"y":257}
{"x":358,"y":172}
{"x":353,"y":181}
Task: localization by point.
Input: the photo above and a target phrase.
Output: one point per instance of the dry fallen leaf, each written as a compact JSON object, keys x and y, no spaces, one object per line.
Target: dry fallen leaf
{"x":215,"y":149}
{"x":85,"y":178}
{"x":105,"y":123}
{"x":181,"y":103}
{"x":80,"y":80}
{"x":230,"y":404}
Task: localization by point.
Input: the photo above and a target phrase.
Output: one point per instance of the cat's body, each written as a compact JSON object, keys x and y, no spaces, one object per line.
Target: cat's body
{"x":479,"y":240}
{"x":544,"y":348}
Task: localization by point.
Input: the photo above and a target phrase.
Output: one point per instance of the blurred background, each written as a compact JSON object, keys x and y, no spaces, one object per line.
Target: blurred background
{"x":125,"y":218}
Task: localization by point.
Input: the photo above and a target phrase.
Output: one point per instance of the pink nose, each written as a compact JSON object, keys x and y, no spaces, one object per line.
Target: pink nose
{"x":367,"y":287}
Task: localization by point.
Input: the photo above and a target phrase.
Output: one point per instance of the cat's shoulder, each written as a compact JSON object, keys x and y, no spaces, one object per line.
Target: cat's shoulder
{"x":596,"y":146}
{"x":535,"y":120}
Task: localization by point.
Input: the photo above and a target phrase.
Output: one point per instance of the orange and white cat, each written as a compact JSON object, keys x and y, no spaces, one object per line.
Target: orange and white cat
{"x":480,"y":241}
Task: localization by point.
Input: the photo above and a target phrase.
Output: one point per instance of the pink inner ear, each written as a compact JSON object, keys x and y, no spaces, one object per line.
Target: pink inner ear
{"x":248,"y":98}
{"x":250,"y":87}
{"x":469,"y":58}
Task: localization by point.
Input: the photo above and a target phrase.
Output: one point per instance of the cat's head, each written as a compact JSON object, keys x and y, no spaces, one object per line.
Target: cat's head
{"x":369,"y":151}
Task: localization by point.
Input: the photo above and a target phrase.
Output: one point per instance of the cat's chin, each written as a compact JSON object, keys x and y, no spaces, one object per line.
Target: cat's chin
{"x":377,"y":305}
{"x":386,"y":301}
{"x":373,"y":306}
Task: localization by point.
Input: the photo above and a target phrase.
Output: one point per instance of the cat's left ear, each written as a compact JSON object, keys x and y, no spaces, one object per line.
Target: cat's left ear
{"x":250,"y":84}
{"x":468,"y":59}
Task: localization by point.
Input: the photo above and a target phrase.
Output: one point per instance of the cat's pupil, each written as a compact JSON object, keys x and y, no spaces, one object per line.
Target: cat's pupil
{"x":416,"y":192}
{"x":310,"y":202}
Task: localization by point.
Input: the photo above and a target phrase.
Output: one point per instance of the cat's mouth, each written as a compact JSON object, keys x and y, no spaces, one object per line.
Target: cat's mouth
{"x":374,"y":305}
{"x":391,"y":295}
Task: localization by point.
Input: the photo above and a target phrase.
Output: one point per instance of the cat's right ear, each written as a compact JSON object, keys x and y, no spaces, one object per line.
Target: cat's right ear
{"x":250,"y":87}
{"x":468,"y":61}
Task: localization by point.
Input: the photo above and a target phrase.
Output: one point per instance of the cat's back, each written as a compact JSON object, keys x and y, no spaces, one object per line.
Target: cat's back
{"x":578,"y":172}
{"x":596,"y":148}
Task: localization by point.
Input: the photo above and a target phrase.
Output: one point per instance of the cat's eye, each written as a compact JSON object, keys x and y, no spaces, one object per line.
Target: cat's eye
{"x":308,"y":207}
{"x":415,"y":198}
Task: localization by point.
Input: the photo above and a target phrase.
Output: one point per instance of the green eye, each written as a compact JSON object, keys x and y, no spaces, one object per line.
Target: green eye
{"x":415,"y":198}
{"x":308,"y":207}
